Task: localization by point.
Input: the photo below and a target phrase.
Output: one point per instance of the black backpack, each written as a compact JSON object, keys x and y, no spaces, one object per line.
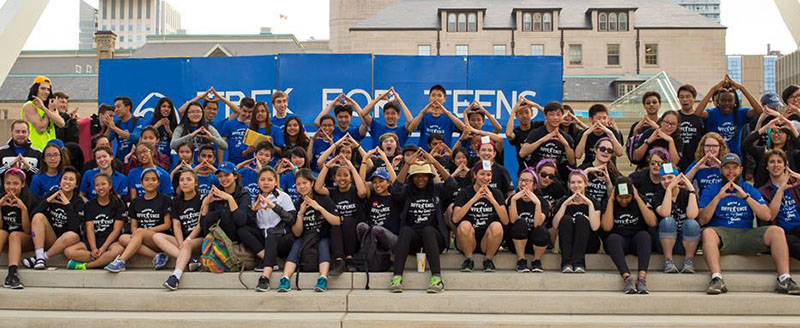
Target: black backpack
{"x":309,"y":256}
{"x":370,"y":258}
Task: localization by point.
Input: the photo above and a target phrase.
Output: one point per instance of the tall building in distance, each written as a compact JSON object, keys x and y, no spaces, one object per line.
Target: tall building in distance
{"x":788,"y":70}
{"x":708,"y":8}
{"x":134,"y":20}
{"x":87,"y":25}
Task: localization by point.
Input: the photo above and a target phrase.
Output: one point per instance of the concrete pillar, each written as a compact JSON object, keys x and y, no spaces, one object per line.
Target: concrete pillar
{"x":105,"y":40}
{"x":789,"y":10}
{"x":17,"y":19}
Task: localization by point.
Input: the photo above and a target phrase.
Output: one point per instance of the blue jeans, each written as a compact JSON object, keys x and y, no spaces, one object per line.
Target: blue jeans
{"x":323,"y":249}
{"x":668,"y":229}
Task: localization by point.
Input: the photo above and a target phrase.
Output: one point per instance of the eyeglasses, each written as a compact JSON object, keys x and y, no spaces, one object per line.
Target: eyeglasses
{"x":778,"y":131}
{"x":526,"y":180}
{"x":547,"y":176}
{"x":606,"y":150}
{"x":669,"y":123}
{"x":656,"y":163}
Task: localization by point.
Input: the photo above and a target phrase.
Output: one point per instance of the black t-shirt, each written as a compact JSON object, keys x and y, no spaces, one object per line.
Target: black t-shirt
{"x":549,"y":149}
{"x":422,"y":212}
{"x":384,"y":211}
{"x":679,"y":206}
{"x":580,"y":211}
{"x":647,"y":189}
{"x":313,"y":219}
{"x":62,"y":218}
{"x":526,"y":210}
{"x":501,"y":180}
{"x":628,"y":220}
{"x":519,"y":138}
{"x":103,"y":218}
{"x":597,"y":189}
{"x":692,"y":129}
{"x":482,"y":213}
{"x":550,"y":195}
{"x":150,"y":213}
{"x":348,"y":204}
{"x":187,"y":212}
{"x":12,"y":216}
{"x":591,"y":140}
{"x":658,"y":143}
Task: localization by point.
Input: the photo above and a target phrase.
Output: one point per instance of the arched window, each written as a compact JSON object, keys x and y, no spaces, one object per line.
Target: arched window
{"x":526,"y":22}
{"x":612,"y":22}
{"x":623,"y":21}
{"x":462,"y":22}
{"x":537,"y":22}
{"x":472,"y":22}
{"x":602,"y":22}
{"x":547,"y":20}
{"x":451,"y":22}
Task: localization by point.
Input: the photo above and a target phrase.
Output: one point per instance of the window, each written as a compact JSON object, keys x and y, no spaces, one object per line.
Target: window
{"x":138,"y":28}
{"x":462,"y":50}
{"x":138,"y":38}
{"x":462,"y":22}
{"x":537,"y":50}
{"x":575,"y":54}
{"x":451,"y":22}
{"x":139,"y":10}
{"x":613,"y":54}
{"x":130,"y":9}
{"x":547,"y":22}
{"x":88,"y":69}
{"x":612,"y":21}
{"x":148,"y":9}
{"x":537,"y":22}
{"x":424,"y":50}
{"x":121,"y":38}
{"x":78,"y":69}
{"x":472,"y":22}
{"x":602,"y":22}
{"x":113,"y":27}
{"x":499,"y":49}
{"x":624,"y":88}
{"x":105,"y":28}
{"x":651,"y":54}
{"x":527,"y":22}
{"x":121,"y":9}
{"x":113,"y":9}
{"x":623,"y":21}
{"x":130,"y":28}
{"x":105,"y":9}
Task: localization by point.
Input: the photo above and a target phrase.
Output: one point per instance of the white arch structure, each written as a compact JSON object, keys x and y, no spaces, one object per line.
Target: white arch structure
{"x":17,"y":19}
{"x":790,"y":11}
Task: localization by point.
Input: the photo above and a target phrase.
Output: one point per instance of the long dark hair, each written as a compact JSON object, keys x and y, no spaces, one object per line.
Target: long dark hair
{"x":114,"y":199}
{"x":157,"y":116}
{"x":302,"y":138}
{"x":187,"y":124}
{"x":34,"y":90}
{"x":254,"y":123}
{"x":269,"y":169}
{"x":63,"y":155}
{"x":24,"y":193}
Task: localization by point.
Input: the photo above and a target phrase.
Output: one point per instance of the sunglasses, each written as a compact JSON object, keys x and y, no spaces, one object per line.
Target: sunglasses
{"x":606,"y":150}
{"x":547,"y":176}
{"x":656,"y":163}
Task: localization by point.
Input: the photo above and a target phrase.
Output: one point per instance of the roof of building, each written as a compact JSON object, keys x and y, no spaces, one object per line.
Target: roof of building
{"x":600,"y":88}
{"x":574,"y":14}
{"x":231,"y":45}
{"x":77,"y":86}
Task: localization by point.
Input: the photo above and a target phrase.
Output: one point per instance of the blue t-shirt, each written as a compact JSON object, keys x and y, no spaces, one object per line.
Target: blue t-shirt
{"x":164,"y":181}
{"x":276,"y":134}
{"x":280,"y":122}
{"x":119,"y":181}
{"x":788,"y":215}
{"x":377,"y":129}
{"x":353,"y":130}
{"x":42,"y":184}
{"x":122,"y":147}
{"x":320,"y":146}
{"x":732,"y":211}
{"x":233,"y":131}
{"x":204,"y":183}
{"x":249,"y":179}
{"x":705,"y":177}
{"x":288,"y":186}
{"x":431,"y":124}
{"x":724,"y":125}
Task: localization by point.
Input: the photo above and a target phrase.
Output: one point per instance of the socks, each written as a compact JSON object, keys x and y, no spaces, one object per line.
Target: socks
{"x":12,"y":269}
{"x":177,"y":273}
{"x":783,"y":277}
{"x":716,"y":275}
{"x":40,"y":253}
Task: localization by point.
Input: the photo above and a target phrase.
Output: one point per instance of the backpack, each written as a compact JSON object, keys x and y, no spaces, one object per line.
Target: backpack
{"x":309,"y":256}
{"x":370,"y":258}
{"x":217,"y":252}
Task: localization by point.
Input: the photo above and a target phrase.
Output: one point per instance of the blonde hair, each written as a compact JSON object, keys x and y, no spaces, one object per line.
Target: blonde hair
{"x":723,"y":146}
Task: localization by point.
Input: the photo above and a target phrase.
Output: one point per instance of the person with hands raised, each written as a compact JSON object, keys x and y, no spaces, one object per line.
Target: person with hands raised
{"x":19,"y":152}
{"x":729,"y":209}
{"x":780,"y":134}
{"x":522,"y":112}
{"x":601,"y":128}
{"x":705,"y":171}
{"x":16,"y":224}
{"x":729,"y":117}
{"x":196,"y":131}
{"x":287,"y":167}
{"x":577,"y":220}
{"x":249,"y":169}
{"x":40,"y":113}
{"x":383,"y":207}
{"x":651,"y":103}
{"x":260,"y":122}
{"x":526,"y":215}
{"x":391,"y":116}
{"x":626,"y":220}
{"x":549,"y":141}
{"x":666,"y":136}
{"x":475,"y":114}
{"x":435,"y":118}
{"x":235,"y":128}
{"x":205,"y":169}
{"x":343,"y":107}
{"x":782,"y":193}
{"x":321,"y":141}
{"x":678,"y":230}
{"x":571,"y":124}
{"x":601,"y":171}
{"x":226,"y":205}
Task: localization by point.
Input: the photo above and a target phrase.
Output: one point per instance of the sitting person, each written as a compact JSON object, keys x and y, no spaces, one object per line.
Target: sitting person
{"x":527,"y":232}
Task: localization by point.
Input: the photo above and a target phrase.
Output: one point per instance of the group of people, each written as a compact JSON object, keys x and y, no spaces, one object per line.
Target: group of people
{"x":154,"y":186}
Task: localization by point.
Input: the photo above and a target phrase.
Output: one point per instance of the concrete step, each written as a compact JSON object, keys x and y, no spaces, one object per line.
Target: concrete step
{"x":124,"y":319}
{"x":543,"y":302}
{"x":391,"y":320}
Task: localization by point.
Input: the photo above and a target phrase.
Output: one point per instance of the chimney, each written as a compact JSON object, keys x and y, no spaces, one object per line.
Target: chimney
{"x":106,"y":42}
{"x":266,"y":30}
{"x":769,"y":48}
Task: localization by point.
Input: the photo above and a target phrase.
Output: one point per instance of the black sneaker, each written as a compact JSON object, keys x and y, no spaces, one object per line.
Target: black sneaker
{"x":263,"y":284}
{"x":788,"y":286}
{"x":536,"y":266}
{"x":629,"y":288}
{"x":12,"y":281}
{"x":260,"y":266}
{"x":172,"y":283}
{"x":522,"y":266}
{"x":641,"y":286}
{"x":488,"y":265}
{"x":468,"y":265}
{"x":716,"y":286}
{"x":350,"y":264}
{"x":338,"y":267}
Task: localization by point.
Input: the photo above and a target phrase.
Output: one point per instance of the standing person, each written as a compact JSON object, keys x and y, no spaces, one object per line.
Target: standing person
{"x":165,"y":121}
{"x":626,"y":220}
{"x":692,"y":127}
{"x":571,"y":124}
{"x":260,"y":122}
{"x":729,"y":117}
{"x":343,"y":107}
{"x":677,"y":212}
{"x":705,"y":171}
{"x":49,"y":176}
{"x":122,"y":129}
{"x":69,"y":132}
{"x":666,"y":136}
{"x":294,"y":135}
{"x":601,"y":128}
{"x":19,"y":152}
{"x":391,"y":116}
{"x":782,"y":193}
{"x":36,"y":112}
{"x":421,"y":220}
{"x":522,"y":112}
{"x":186,"y":228}
{"x":435,"y":118}
{"x":56,"y":222}
{"x":651,"y":102}
{"x":280,"y":108}
{"x":145,"y":154}
{"x":16,"y":224}
{"x":234,"y":129}
{"x":729,"y":209}
{"x":275,"y":214}
{"x":196,"y":131}
{"x":527,"y":232}
{"x":103,"y":155}
{"x":549,"y":141}
{"x":577,"y":219}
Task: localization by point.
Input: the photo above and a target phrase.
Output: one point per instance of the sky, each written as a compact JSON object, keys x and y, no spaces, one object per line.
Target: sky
{"x":751,"y":23}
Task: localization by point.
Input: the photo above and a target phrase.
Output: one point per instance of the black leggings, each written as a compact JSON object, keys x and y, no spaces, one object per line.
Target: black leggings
{"x":617,"y":246}
{"x":349,"y":237}
{"x":337,"y":242}
{"x":252,"y":238}
{"x":536,"y":237}
{"x":411,"y":240}
{"x":793,"y":240}
{"x":276,"y":246}
{"x":575,"y":240}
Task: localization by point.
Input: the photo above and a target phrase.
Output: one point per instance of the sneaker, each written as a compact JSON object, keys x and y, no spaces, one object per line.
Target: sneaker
{"x":40,"y":264}
{"x":260,"y":266}
{"x":338,"y":267}
{"x":350,"y":265}
{"x":567,"y":269}
{"x":322,"y":284}
{"x":536,"y":266}
{"x":641,"y":286}
{"x":716,"y":286}
{"x":12,"y":281}
{"x":488,"y":265}
{"x":468,"y":265}
{"x":669,"y":266}
{"x":522,"y":266}
{"x":396,"y":285}
{"x":160,"y":260}
{"x":788,"y":286}
{"x":688,"y":265}
{"x":194,"y":265}
{"x":436,"y":285}
{"x":629,"y":287}
{"x":29,"y":262}
{"x":172,"y":282}
{"x":76,"y":265}
{"x":263,"y":284}
{"x":284,"y":285}
{"x":116,"y":266}
{"x":580,"y":269}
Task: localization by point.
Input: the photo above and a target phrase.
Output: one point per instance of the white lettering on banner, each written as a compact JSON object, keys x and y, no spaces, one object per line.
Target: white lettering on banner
{"x":144,"y":106}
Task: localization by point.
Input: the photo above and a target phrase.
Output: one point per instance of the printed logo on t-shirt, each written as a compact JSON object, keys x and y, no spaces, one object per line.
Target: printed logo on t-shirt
{"x":788,"y":209}
{"x":148,"y":218}
{"x":58,"y":217}
{"x":311,"y":221}
{"x":189,"y":218}
{"x":688,"y":131}
{"x":626,"y":219}
{"x":733,"y":211}
{"x":480,"y":213}
{"x":727,"y":130}
{"x":102,"y":222}
{"x":378,"y":213}
{"x":11,"y":221}
{"x":421,"y":210}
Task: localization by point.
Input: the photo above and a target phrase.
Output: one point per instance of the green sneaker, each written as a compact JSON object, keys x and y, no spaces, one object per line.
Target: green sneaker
{"x":396,"y":285}
{"x":436,"y":285}
{"x":76,"y":265}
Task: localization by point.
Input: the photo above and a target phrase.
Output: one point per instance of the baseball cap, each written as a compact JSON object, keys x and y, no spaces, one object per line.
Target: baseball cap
{"x":667,"y":168}
{"x":226,"y":167}
{"x":731,"y":158}
{"x":380,"y":173}
{"x":41,"y":78}
{"x":772,"y":100}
